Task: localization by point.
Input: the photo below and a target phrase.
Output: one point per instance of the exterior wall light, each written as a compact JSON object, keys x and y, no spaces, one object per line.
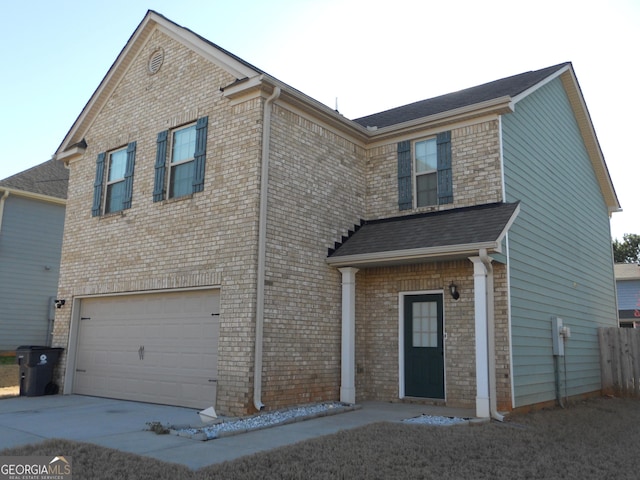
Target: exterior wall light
{"x":453,"y":290}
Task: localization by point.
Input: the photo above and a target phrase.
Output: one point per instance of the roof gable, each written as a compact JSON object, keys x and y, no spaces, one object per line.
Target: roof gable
{"x":49,"y":179}
{"x":152,"y":21}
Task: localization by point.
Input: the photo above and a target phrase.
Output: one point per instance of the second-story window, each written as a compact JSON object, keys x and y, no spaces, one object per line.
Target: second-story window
{"x":426,"y":168}
{"x":183,"y":148}
{"x":114,"y":198}
{"x":424,"y":172}
{"x":180,"y":161}
{"x":113,"y":186}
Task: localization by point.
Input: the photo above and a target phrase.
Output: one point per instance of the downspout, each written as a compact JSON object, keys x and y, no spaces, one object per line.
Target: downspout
{"x":262,"y":242}
{"x":2,"y":199}
{"x":491,"y":339}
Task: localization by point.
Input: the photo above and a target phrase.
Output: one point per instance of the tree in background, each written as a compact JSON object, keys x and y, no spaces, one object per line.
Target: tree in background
{"x":627,"y":251}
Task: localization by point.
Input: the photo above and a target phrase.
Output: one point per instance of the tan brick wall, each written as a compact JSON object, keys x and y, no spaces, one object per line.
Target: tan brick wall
{"x":194,"y":241}
{"x":377,"y":329}
{"x":321,"y":184}
{"x":316,"y":193}
{"x":475,"y":160}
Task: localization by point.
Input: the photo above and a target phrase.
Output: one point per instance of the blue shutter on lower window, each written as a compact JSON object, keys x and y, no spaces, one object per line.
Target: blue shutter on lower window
{"x":405,"y":201}
{"x":445,"y":176}
{"x":128,"y":175}
{"x":97,"y":185}
{"x":199,"y":157}
{"x":161,"y":166}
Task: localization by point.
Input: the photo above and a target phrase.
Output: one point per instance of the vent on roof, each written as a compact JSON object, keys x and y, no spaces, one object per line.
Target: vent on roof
{"x":155,"y":61}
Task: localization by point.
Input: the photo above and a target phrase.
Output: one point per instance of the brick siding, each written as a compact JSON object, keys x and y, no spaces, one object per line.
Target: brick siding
{"x":322,"y":182}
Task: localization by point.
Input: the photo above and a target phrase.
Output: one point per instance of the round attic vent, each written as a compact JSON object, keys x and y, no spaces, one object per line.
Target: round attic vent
{"x":155,"y":61}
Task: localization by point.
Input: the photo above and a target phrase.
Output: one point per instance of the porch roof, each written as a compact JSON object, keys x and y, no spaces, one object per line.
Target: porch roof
{"x":445,"y":234}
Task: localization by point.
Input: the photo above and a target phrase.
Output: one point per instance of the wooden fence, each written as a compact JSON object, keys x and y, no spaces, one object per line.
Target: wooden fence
{"x":620,"y":361}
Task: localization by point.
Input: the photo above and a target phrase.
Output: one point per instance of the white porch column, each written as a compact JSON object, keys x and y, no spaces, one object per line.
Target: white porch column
{"x":348,"y":380}
{"x":482,"y":357}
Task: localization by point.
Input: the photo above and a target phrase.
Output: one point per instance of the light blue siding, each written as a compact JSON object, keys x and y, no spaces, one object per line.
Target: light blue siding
{"x":30,"y":242}
{"x":560,"y":256}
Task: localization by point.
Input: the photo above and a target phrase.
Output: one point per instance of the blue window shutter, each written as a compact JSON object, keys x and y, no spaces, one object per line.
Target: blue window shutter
{"x":128,"y":175}
{"x":97,"y":185}
{"x":445,"y":177}
{"x":404,"y":176}
{"x":161,"y":166}
{"x":199,"y":157}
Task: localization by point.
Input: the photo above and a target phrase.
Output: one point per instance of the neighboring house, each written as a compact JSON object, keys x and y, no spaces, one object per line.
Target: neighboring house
{"x":32,"y":207}
{"x":232,"y":242}
{"x":628,"y":288}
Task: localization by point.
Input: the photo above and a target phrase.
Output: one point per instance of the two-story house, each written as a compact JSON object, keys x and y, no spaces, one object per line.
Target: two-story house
{"x":230,"y":241}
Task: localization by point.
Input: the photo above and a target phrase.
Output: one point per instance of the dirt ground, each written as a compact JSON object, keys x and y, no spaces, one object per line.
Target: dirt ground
{"x":9,"y":391}
{"x":593,"y":439}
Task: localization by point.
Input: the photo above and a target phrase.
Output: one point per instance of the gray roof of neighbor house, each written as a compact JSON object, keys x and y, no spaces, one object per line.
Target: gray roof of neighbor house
{"x":510,"y":86}
{"x":627,"y":271}
{"x":446,"y":231}
{"x":49,"y":178}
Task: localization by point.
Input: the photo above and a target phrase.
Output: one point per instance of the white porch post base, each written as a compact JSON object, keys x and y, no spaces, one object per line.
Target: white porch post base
{"x":482,"y":407}
{"x":482,"y":357}
{"x":348,"y":371}
{"x":348,"y":395}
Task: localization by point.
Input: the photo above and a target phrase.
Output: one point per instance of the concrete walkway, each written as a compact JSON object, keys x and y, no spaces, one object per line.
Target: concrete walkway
{"x":121,"y":425}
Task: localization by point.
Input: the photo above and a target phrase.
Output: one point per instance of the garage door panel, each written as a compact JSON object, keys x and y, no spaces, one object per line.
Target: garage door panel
{"x":178,"y":364}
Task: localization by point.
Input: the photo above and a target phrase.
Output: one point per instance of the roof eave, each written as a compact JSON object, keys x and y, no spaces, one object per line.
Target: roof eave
{"x":415,"y":255}
{"x":70,"y":153}
{"x":264,"y":84}
{"x":590,"y":138}
{"x":495,"y":106}
{"x":32,"y":195}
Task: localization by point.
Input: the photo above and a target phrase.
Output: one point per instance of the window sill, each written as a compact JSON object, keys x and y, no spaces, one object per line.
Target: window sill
{"x":167,"y":201}
{"x":120,"y":213}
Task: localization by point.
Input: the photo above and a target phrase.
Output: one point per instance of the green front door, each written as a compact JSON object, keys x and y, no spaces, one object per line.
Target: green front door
{"x":423,"y":346}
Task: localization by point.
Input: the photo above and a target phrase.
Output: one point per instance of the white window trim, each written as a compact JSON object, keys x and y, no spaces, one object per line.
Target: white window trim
{"x":108,"y":183}
{"x":415,"y":174}
{"x":170,"y":164}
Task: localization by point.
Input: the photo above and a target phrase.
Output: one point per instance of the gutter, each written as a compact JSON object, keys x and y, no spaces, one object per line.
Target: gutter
{"x":2,"y":199}
{"x":491,"y":340}
{"x":262,"y":242}
{"x":412,"y":254}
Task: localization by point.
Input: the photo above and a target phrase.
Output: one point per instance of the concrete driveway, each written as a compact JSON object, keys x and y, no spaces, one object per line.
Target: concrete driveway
{"x":122,"y":425}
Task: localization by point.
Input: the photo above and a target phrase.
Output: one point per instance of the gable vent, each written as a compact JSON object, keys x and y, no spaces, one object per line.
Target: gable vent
{"x":155,"y":61}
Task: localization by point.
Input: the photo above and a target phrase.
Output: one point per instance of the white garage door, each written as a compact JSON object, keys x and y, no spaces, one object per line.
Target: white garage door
{"x":159,"y":348}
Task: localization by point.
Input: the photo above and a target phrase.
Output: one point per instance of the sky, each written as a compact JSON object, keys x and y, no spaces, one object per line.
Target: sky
{"x":364,"y":56}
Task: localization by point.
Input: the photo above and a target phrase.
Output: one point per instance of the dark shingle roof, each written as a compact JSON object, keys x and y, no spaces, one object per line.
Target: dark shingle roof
{"x":447,"y":228}
{"x":510,"y":86}
{"x":49,"y":178}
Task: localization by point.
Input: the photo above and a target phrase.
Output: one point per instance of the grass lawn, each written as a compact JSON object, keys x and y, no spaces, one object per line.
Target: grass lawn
{"x":7,"y":359}
{"x":594,"y":439}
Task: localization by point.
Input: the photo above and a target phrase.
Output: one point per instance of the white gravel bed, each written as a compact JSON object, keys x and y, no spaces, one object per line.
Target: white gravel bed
{"x":264,"y":420}
{"x":436,"y":420}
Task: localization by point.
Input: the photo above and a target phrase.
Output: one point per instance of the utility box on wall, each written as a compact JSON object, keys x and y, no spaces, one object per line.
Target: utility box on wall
{"x":559,"y":335}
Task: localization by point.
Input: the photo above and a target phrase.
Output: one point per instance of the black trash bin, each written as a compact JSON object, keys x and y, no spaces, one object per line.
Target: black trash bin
{"x":36,"y":369}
